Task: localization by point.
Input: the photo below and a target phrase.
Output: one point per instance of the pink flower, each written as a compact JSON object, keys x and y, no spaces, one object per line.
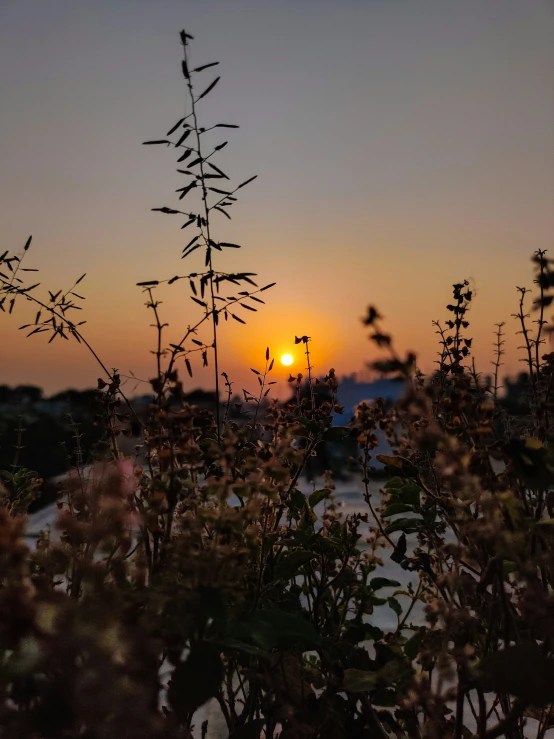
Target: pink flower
{"x":129,"y":482}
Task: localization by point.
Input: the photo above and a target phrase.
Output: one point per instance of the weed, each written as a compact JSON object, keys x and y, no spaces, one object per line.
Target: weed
{"x":206,"y":576}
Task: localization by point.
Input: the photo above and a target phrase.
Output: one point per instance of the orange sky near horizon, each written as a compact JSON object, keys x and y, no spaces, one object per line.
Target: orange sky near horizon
{"x":293,"y":307}
{"x":399,"y":150}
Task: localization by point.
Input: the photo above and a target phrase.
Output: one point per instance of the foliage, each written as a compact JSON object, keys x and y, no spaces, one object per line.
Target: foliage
{"x":47,"y":440}
{"x":205,"y":576}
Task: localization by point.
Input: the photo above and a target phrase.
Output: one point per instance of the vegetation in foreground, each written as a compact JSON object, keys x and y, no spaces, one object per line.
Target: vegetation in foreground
{"x":267,"y":608}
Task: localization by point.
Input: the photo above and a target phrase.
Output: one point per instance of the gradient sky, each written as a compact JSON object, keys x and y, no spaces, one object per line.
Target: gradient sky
{"x":401,"y":146}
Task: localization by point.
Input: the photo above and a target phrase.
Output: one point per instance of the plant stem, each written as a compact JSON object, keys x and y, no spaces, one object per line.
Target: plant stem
{"x":209,"y":250}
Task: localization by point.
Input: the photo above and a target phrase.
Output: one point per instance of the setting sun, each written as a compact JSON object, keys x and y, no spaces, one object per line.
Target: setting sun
{"x":287,"y":359}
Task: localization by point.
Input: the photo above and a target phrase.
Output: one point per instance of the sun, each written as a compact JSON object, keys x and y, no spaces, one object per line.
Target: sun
{"x":287,"y":359}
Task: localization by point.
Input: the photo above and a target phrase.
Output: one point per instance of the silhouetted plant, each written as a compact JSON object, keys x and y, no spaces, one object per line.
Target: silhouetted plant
{"x":202,"y":175}
{"x":206,"y":576}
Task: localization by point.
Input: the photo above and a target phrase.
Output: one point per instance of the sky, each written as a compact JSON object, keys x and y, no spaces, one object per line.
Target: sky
{"x":399,"y":146}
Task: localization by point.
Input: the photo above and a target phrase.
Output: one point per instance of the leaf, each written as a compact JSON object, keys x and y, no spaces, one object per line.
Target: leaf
{"x":317,"y":496}
{"x":184,"y":36}
{"x":237,"y":318}
{"x":359,"y":681}
{"x":383,"y":582}
{"x":336,"y":433}
{"x":185,"y":190}
{"x":192,"y":241}
{"x":289,"y":564}
{"x":216,"y":169}
{"x":208,"y":89}
{"x":184,"y":156}
{"x":220,"y":192}
{"x":394,"y":508}
{"x":175,"y":127}
{"x":189,"y":368}
{"x":166,"y":210}
{"x":372,"y":315}
{"x":226,"y":125}
{"x":196,"y":680}
{"x":216,"y":207}
{"x":184,"y":137}
{"x":27,"y":243}
{"x":407,"y":491}
{"x":149,"y":283}
{"x":189,"y":252}
{"x":394,"y":604}
{"x":205,"y":66}
{"x":158,"y":141}
{"x":229,"y":245}
{"x":287,"y":628}
{"x":355,"y":633}
{"x":246,"y":182}
{"x":399,"y":553}
{"x":413,"y":645}
{"x":407,"y":525}
{"x":398,"y":465}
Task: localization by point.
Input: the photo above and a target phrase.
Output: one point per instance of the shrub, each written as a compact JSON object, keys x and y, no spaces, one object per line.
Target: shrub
{"x":267,"y":606}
